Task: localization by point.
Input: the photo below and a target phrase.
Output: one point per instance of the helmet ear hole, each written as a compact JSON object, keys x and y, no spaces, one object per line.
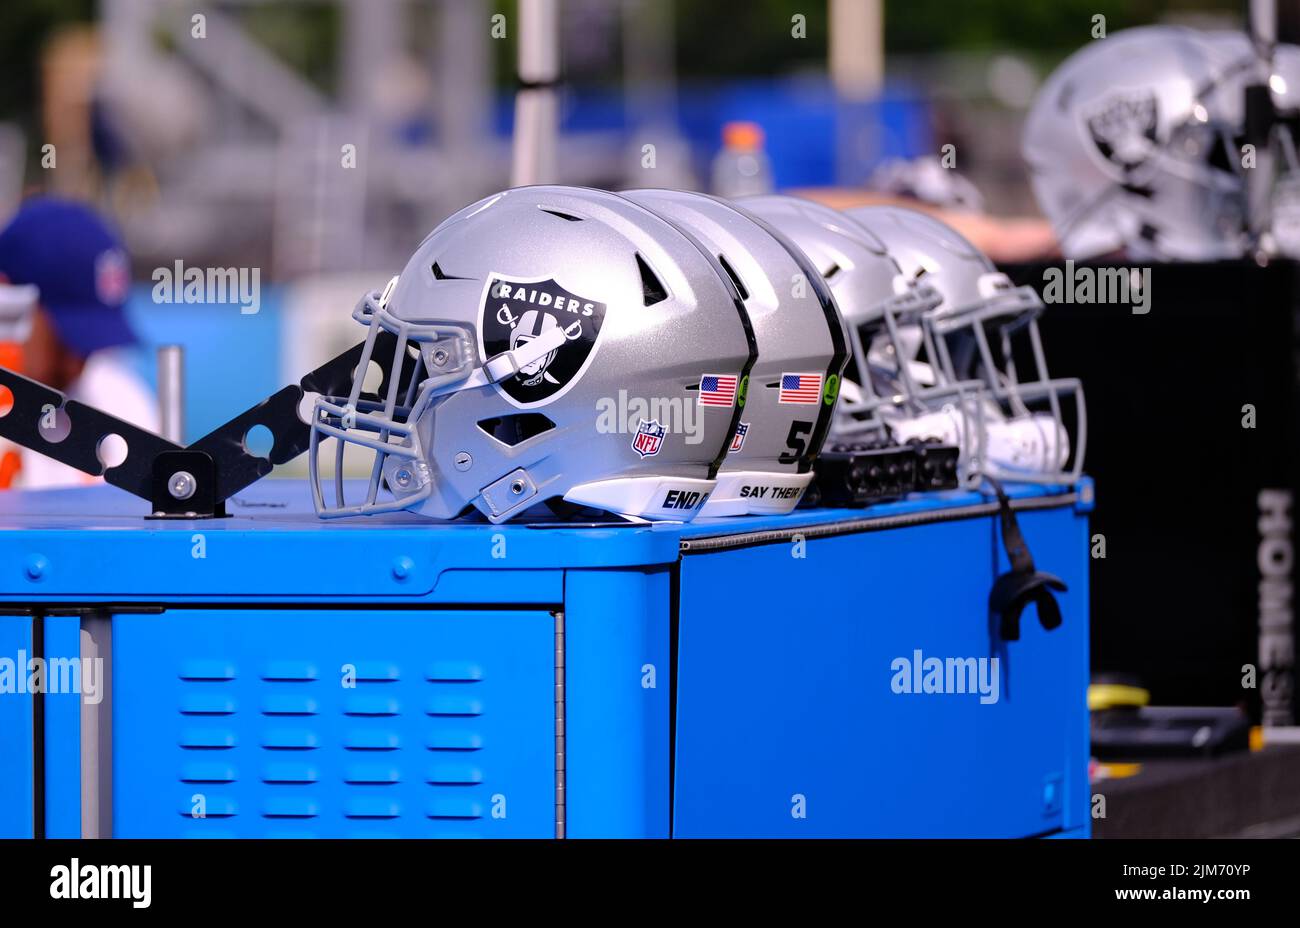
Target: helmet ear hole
{"x":514,"y":430}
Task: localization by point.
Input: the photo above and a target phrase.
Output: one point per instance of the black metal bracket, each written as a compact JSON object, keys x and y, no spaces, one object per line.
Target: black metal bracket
{"x":853,"y":474}
{"x":43,"y":420}
{"x":191,"y":482}
{"x":184,"y":486}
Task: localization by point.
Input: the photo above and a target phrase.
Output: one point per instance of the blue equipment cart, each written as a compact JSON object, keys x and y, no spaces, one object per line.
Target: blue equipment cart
{"x":272,"y":675}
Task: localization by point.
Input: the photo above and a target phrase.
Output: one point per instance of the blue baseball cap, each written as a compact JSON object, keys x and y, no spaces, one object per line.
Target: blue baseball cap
{"x":78,"y":264}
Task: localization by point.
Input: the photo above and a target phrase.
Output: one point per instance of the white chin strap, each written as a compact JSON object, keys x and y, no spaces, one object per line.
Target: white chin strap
{"x":921,"y":373}
{"x":850,"y":392}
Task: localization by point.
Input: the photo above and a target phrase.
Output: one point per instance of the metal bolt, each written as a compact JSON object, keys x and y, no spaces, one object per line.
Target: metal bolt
{"x":517,"y":487}
{"x":402,"y":478}
{"x":463,"y":460}
{"x":182,"y":485}
{"x":440,"y":357}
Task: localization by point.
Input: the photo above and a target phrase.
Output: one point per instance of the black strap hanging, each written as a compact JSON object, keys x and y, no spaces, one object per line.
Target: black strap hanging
{"x":1024,"y":583}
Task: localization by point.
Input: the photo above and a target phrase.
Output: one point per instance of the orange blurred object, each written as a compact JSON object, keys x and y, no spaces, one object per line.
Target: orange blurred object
{"x":743,"y":136}
{"x":10,"y":464}
{"x":11,"y":356}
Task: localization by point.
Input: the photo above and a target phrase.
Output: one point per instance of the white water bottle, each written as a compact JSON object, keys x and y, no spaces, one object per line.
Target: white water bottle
{"x":741,"y":169}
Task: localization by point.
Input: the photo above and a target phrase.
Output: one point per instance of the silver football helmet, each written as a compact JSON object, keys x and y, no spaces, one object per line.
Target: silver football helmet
{"x":1013,"y":424}
{"x":926,"y":179}
{"x":879,"y":303}
{"x":531,"y":316}
{"x":1237,"y":59}
{"x":802,"y":350}
{"x":1131,"y":145}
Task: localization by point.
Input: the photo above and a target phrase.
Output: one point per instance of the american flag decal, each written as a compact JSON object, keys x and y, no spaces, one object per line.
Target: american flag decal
{"x":718,"y":390}
{"x":800,"y":389}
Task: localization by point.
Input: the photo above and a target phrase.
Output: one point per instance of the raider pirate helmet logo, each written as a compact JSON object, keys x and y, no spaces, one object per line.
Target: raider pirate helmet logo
{"x":1123,"y":129}
{"x":514,"y":312}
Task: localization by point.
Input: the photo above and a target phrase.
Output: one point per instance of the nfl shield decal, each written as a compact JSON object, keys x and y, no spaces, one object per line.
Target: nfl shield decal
{"x":649,"y":438}
{"x":738,"y":440}
{"x":515,"y":311}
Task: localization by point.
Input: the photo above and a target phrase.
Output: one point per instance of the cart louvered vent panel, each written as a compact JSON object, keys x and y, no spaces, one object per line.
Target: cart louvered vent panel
{"x":367,"y":724}
{"x":297,"y":746}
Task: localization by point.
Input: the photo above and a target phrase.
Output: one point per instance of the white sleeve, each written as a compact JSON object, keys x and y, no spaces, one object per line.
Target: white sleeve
{"x":108,"y":383}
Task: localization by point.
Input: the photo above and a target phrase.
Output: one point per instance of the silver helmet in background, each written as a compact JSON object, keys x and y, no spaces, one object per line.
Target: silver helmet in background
{"x":928,"y":180}
{"x":535,"y":316}
{"x":980,"y":366}
{"x":1131,"y":146}
{"x":1237,"y":58}
{"x":802,"y":350}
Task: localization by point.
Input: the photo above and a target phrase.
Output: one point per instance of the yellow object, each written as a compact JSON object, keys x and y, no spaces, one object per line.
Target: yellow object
{"x":1256,"y":737}
{"x":1113,"y":695}
{"x":1118,"y":771}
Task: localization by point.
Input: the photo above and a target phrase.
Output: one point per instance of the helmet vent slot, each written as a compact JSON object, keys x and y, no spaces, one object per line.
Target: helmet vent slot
{"x":652,"y":289}
{"x":831,"y":271}
{"x":735,"y":278}
{"x":440,"y":274}
{"x":568,"y":217}
{"x":514,"y":430}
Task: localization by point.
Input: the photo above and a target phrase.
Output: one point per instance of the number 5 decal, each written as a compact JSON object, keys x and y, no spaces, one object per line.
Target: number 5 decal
{"x":796,"y":442}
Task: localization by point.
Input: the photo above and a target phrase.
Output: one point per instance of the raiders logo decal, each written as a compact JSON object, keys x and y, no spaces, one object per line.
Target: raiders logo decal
{"x":513,"y":312}
{"x":1123,"y":129}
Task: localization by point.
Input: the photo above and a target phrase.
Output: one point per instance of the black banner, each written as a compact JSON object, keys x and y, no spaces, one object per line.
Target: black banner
{"x":1190,"y":376}
{"x":982,"y":878}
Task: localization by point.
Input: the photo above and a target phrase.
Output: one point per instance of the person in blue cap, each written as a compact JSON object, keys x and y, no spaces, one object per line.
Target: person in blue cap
{"x":82,"y":276}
